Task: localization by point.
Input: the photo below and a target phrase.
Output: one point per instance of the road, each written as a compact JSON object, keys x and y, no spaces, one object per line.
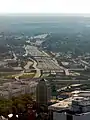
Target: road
{"x":15,"y":57}
{"x":60,"y":81}
{"x":38,"y":71}
{"x":85,"y":63}
{"x":18,"y":75}
{"x":27,"y":66}
{"x":34,"y":65}
{"x":33,"y":51}
{"x":43,"y":63}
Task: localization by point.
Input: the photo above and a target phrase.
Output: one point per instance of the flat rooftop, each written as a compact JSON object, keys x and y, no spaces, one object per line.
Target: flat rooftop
{"x":62,"y":105}
{"x":66,"y":103}
{"x":81,"y":93}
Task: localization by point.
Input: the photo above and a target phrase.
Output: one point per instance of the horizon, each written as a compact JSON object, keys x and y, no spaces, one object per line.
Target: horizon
{"x":47,"y":14}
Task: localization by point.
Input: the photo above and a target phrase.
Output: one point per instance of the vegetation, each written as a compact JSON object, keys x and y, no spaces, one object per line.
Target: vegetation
{"x":63,"y":42}
{"x":23,"y":76}
{"x":54,"y":90}
{"x":19,"y":103}
{"x":8,"y":75}
{"x":27,"y":75}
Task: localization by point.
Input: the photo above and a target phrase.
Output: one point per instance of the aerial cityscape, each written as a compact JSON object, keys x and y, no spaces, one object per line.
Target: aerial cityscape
{"x":45,"y":67}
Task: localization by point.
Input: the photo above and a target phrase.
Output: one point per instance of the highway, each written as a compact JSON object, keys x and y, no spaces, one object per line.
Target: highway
{"x":34,"y":65}
{"x":18,"y":75}
{"x":60,"y":81}
{"x":33,"y":51}
{"x":15,"y":57}
{"x":27,"y":66}
{"x":38,"y":71}
{"x":85,"y":63}
{"x":43,"y":62}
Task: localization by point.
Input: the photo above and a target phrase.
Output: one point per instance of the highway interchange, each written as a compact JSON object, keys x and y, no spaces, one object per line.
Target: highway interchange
{"x":42,"y":61}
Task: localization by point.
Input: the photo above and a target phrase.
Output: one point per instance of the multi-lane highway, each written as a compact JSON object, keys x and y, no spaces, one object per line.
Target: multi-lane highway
{"x":43,"y":61}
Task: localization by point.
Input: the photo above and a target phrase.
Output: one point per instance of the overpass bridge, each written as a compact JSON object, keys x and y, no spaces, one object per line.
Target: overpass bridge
{"x":76,"y":69}
{"x":64,"y":81}
{"x":85,"y":63}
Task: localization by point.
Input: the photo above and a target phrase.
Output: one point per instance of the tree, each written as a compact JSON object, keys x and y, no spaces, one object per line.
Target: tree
{"x":54,"y":91}
{"x":19,"y":103}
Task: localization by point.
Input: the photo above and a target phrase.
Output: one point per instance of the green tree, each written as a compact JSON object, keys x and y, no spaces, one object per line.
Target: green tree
{"x":54,"y":91}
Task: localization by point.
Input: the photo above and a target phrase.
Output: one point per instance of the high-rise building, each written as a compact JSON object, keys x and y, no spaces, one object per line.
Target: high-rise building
{"x":42,"y":93}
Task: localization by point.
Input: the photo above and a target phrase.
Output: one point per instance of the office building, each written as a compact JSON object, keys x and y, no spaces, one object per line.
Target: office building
{"x":73,"y":108}
{"x":42,"y":93}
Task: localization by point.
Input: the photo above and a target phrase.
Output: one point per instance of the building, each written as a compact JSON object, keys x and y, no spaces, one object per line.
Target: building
{"x":42,"y":93}
{"x":73,"y":108}
{"x":16,"y":88}
{"x":81,"y":93}
{"x":80,"y":109}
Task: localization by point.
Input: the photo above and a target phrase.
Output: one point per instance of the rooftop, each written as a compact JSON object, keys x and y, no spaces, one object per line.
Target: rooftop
{"x":81,"y":93}
{"x":62,"y":105}
{"x":66,"y":104}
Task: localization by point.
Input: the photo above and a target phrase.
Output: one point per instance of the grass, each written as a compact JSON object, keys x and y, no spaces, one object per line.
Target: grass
{"x":7,"y":75}
{"x":23,"y":76}
{"x":13,"y":75}
{"x":27,"y":75}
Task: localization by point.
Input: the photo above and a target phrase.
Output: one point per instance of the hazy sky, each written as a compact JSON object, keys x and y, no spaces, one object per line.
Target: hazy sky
{"x":44,"y":6}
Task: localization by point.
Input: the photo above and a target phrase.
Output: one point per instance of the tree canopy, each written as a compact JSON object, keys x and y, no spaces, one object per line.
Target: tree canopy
{"x":19,"y":103}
